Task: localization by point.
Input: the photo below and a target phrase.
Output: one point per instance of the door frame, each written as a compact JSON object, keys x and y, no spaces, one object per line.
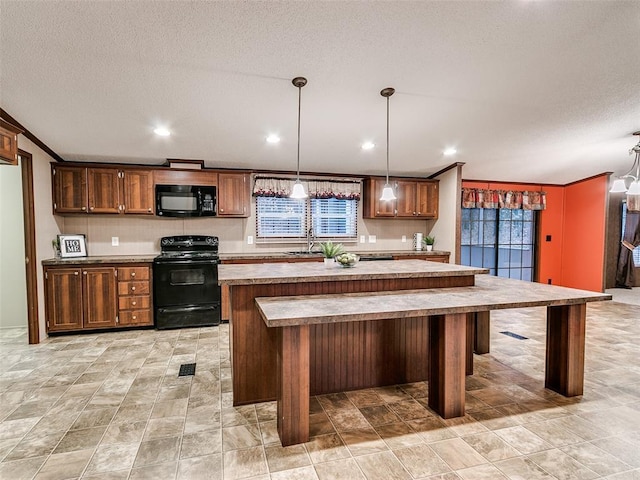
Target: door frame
{"x":33,"y":322}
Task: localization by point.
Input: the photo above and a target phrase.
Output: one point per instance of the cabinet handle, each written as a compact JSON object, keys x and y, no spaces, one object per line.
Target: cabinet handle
{"x":133,"y":274}
{"x":149,"y":210}
{"x":221,"y":210}
{"x":419,"y":213}
{"x":83,"y":208}
{"x":133,"y":289}
{"x":414,"y":213}
{"x":134,"y":303}
{"x":75,"y":273}
{"x":91,"y":208}
{"x":134,"y":317}
{"x":84,"y":273}
{"x":378,"y":212}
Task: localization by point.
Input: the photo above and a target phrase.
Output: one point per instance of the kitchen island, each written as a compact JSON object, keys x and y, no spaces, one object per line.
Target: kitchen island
{"x":344,"y":356}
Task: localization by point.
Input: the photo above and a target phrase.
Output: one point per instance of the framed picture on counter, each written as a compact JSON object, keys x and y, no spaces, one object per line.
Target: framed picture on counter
{"x":72,"y":246}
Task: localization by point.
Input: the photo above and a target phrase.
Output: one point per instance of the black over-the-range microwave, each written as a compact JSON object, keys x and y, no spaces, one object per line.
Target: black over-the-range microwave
{"x":185,"y":201}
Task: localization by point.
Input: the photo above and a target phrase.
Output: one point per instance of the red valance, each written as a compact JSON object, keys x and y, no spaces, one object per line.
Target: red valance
{"x":485,"y":198}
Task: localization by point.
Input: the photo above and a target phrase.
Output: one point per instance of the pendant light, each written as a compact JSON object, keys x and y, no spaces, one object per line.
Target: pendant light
{"x":387,"y":191}
{"x":298,"y":189}
{"x":619,"y":185}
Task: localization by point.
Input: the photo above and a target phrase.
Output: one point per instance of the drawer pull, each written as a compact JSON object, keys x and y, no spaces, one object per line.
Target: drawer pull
{"x":133,"y":274}
{"x":134,"y":317}
{"x":75,"y":273}
{"x":133,"y":289}
{"x":134,"y":303}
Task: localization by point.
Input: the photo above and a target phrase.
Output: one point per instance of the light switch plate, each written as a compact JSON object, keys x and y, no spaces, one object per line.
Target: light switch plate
{"x":362,"y":239}
{"x":115,"y":241}
{"x":372,"y":239}
{"x":404,"y":239}
{"x":249,"y":240}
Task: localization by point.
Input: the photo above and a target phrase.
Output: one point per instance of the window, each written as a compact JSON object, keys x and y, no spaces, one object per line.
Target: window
{"x":502,"y":240}
{"x":281,"y":217}
{"x":288,"y":219}
{"x":334,"y":218}
{"x":636,"y":251}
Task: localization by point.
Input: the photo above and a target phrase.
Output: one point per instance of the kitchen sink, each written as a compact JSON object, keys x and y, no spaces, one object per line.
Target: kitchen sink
{"x":303,"y":252}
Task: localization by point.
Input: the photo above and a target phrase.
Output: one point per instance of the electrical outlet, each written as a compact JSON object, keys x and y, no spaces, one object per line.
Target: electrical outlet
{"x":362,"y":239}
{"x":115,"y":241}
{"x":372,"y":239}
{"x":249,"y":239}
{"x":404,"y":239}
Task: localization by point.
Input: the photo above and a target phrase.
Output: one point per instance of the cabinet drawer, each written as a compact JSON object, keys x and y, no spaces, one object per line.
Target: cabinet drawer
{"x":133,"y":288}
{"x":133,"y":273}
{"x":135,"y":317}
{"x":134,"y":302}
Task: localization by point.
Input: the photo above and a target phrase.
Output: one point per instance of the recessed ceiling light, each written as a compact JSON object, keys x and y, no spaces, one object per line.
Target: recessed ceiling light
{"x":162,"y":132}
{"x":450,"y":151}
{"x":368,"y":145}
{"x":273,"y":139}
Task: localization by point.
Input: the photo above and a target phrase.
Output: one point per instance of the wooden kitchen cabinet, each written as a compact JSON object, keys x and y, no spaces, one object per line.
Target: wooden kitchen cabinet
{"x":80,"y":298}
{"x":8,"y":143}
{"x":234,"y":199}
{"x":103,"y":188}
{"x":138,"y":192}
{"x":414,"y":199}
{"x":134,"y":296}
{"x":373,"y":206}
{"x":69,"y":189}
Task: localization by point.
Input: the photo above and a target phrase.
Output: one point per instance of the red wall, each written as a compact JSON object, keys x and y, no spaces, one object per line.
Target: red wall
{"x":583,"y":249}
{"x":575,"y":218}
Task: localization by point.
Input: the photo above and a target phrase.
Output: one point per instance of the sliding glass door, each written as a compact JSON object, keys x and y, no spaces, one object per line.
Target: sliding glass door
{"x":502,"y":240}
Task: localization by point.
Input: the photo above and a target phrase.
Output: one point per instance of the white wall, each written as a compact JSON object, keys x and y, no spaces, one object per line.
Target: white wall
{"x":13,"y":284}
{"x":445,"y":228}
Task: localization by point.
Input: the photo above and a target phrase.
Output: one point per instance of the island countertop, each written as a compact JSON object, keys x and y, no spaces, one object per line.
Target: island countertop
{"x":251,"y":274}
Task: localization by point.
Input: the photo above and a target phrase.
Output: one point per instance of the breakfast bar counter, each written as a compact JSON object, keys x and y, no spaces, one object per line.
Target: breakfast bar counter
{"x":345,"y":356}
{"x":445,"y":313}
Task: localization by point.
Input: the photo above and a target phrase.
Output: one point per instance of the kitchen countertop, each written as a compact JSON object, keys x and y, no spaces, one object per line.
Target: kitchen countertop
{"x":376,"y":253}
{"x":489,"y":293}
{"x":100,"y":259}
{"x":261,"y":273}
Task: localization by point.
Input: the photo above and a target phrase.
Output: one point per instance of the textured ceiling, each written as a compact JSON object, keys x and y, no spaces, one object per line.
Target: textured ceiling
{"x":533,"y":91}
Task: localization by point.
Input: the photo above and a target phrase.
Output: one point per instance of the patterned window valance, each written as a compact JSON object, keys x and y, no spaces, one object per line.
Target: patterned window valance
{"x":333,"y":189}
{"x":484,"y":198}
{"x":273,"y":187}
{"x":281,"y":187}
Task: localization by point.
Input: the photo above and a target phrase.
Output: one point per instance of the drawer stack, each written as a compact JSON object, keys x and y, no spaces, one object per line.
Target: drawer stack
{"x":134,"y":296}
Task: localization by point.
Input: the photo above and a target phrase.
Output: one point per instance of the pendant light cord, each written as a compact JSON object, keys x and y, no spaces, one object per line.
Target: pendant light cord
{"x":299,"y":102}
{"x":387,"y":140}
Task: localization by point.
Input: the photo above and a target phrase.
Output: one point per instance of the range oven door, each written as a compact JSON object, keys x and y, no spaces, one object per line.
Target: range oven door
{"x":185,"y":282}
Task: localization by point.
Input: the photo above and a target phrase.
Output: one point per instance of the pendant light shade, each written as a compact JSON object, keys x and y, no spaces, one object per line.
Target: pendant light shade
{"x":387,"y":191}
{"x":298,"y":189}
{"x":619,"y":185}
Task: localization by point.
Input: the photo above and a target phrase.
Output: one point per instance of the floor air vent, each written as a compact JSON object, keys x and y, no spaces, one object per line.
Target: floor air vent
{"x":187,"y":369}
{"x":514,"y":335}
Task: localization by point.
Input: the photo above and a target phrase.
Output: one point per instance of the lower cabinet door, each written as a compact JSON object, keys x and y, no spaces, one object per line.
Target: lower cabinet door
{"x":99,"y":297}
{"x":64,"y":299}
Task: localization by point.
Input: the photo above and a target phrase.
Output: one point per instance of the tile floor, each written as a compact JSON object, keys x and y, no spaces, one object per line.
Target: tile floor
{"x":111,"y":406}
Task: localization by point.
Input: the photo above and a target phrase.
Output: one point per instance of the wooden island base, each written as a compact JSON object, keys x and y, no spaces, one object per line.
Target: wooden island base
{"x":446,"y":313}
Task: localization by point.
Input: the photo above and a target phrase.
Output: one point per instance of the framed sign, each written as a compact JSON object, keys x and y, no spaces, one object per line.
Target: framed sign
{"x":72,"y":246}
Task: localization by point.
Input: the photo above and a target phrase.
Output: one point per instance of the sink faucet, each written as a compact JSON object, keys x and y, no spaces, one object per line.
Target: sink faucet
{"x":310,"y":239}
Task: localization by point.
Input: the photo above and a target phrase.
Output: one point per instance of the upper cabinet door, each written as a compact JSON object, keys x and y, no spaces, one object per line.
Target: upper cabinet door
{"x":427,"y":199}
{"x":8,"y":145}
{"x":373,"y":206}
{"x":233,"y":195}
{"x":69,"y":189}
{"x":406,"y":198}
{"x":103,"y":190}
{"x":138,"y":192}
